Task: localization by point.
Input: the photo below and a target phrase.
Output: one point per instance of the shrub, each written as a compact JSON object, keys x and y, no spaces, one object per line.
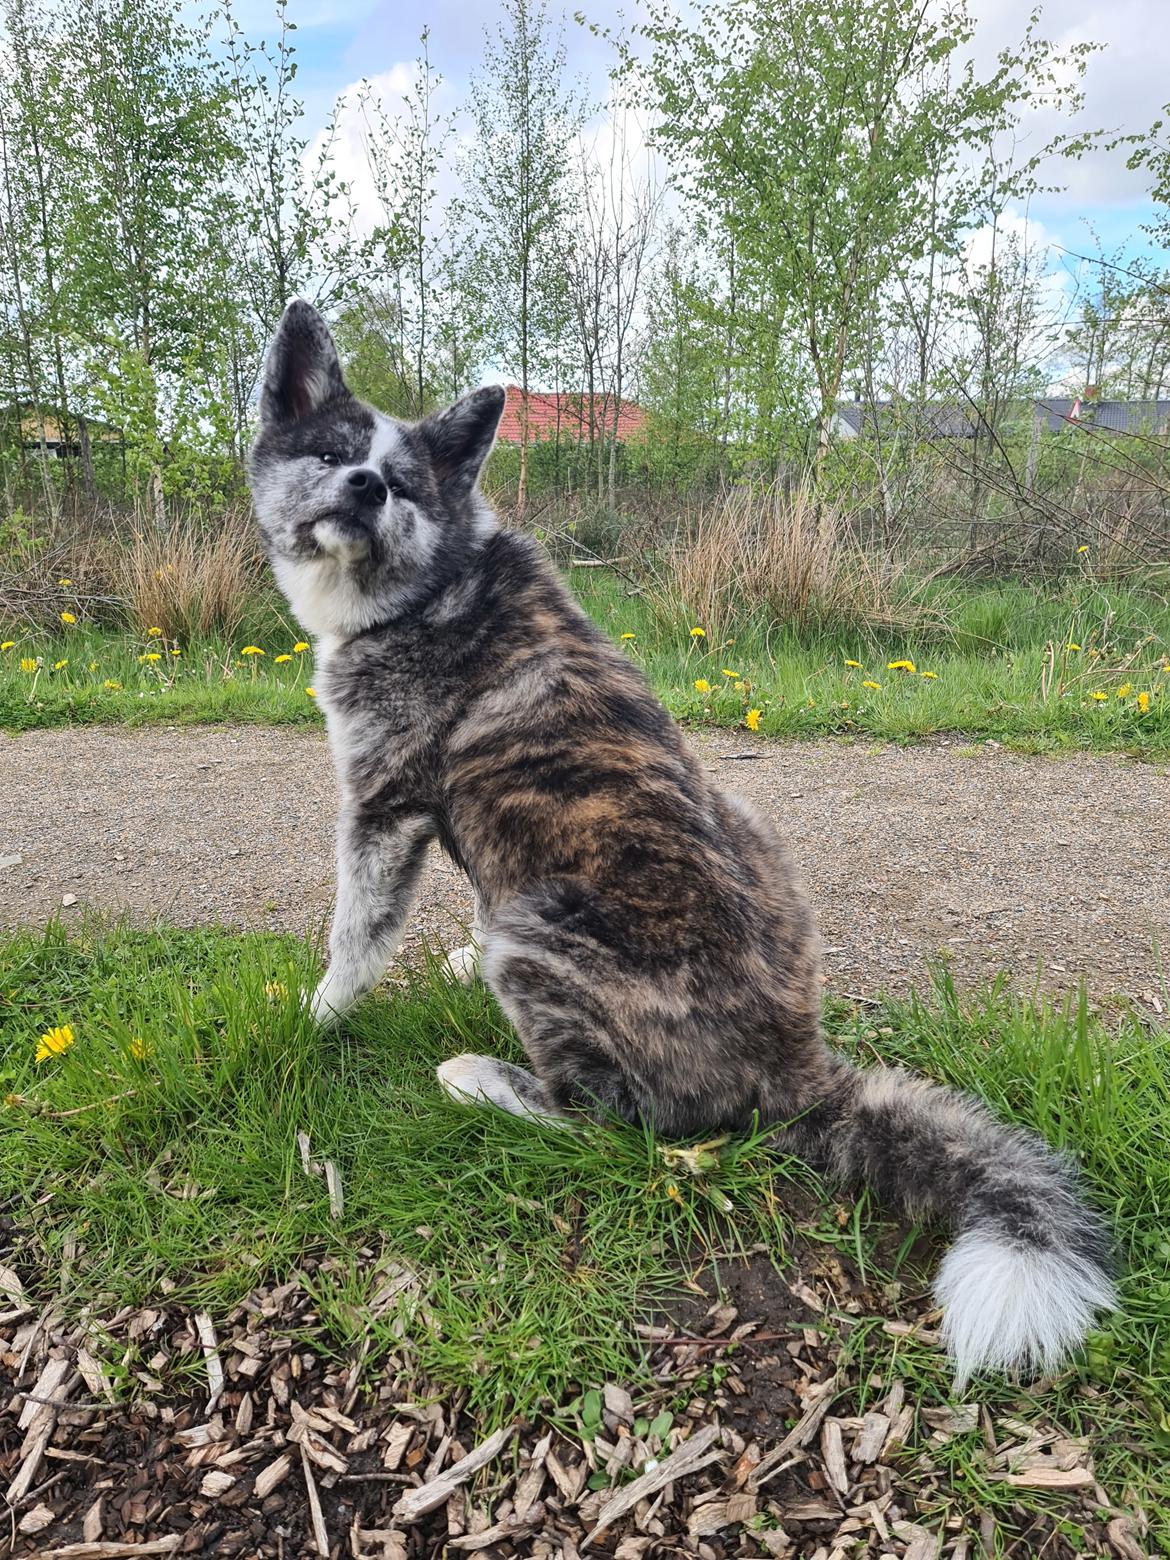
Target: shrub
{"x":775,"y":553}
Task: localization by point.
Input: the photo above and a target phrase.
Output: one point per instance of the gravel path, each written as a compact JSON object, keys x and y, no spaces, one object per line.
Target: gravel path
{"x":998,"y":860}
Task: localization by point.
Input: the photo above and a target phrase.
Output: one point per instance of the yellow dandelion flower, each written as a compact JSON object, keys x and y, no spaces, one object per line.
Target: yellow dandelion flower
{"x":176,"y":652}
{"x":853,"y":663}
{"x":702,"y":685}
{"x":153,"y":655}
{"x":732,"y":675}
{"x":92,"y":667}
{"x":698,"y":633}
{"x":1099,"y":696}
{"x":251,"y":650}
{"x":281,"y":659}
{"x":275,"y":990}
{"x":1083,"y":548}
{"x":29,"y":663}
{"x":67,"y":617}
{"x":54,"y":1042}
{"x":752,"y":720}
{"x":1143,"y":702}
{"x":59,"y":666}
{"x":1072,"y":645}
{"x":154,"y":633}
{"x":64,"y":583}
{"x":114,"y":687}
{"x":874,"y":685}
{"x":900,"y":666}
{"x":8,"y":644}
{"x":629,"y":636}
{"x":312,"y":692}
{"x":1125,"y":690}
{"x":140,"y":1050}
{"x":741,"y":687}
{"x":930,"y":676}
{"x":301,"y":645}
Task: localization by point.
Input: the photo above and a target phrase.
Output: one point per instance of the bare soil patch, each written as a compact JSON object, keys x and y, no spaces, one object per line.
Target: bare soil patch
{"x":989,"y":859}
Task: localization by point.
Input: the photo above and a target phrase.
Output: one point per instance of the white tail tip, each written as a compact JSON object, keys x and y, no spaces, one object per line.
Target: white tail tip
{"x":1010,"y":1308}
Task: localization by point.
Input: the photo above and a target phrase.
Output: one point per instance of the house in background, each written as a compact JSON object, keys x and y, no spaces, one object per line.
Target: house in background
{"x":573,"y":417}
{"x":931,"y":420}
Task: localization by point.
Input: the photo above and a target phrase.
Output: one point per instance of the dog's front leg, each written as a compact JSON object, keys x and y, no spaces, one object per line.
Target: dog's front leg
{"x":378,"y":864}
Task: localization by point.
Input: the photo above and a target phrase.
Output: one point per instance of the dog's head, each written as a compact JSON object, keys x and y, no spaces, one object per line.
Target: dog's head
{"x":361,"y":514}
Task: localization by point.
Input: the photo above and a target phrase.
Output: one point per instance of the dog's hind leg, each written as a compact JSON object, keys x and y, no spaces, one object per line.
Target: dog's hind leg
{"x":485,"y":1080}
{"x":464,"y":962}
{"x":377,"y":868}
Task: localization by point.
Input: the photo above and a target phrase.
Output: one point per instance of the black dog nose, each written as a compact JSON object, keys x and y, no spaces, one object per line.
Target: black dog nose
{"x":368,"y":486}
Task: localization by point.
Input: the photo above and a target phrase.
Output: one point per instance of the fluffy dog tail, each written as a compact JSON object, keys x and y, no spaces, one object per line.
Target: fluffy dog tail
{"x":1030,"y":1267}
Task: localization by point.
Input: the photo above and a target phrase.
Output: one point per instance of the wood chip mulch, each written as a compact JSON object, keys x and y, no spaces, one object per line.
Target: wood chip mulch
{"x":160,"y":1431}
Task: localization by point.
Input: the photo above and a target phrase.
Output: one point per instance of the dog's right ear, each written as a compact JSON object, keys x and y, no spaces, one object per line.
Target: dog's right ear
{"x":302,"y":370}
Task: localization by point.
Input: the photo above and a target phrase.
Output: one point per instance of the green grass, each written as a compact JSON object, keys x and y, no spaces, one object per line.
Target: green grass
{"x":162,"y":1143}
{"x":1005,"y":671}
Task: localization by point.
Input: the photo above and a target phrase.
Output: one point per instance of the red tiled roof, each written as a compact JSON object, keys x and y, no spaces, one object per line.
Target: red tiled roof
{"x":571,"y":410}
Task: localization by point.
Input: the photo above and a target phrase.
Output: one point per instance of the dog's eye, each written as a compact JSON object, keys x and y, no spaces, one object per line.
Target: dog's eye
{"x":398,"y":488}
{"x":328,"y":458}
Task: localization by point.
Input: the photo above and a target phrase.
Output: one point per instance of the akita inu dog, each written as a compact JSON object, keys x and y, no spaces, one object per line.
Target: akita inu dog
{"x":644,"y":932}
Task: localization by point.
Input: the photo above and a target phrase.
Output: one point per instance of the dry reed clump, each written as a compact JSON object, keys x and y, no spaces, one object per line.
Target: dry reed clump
{"x":776,"y":552}
{"x":188,"y":579}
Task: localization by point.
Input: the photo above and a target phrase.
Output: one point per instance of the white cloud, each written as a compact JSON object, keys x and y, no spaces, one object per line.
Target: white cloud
{"x":355,"y":126}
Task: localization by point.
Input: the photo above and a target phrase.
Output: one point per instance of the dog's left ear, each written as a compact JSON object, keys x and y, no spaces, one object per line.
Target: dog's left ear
{"x":460,"y":437}
{"x":302,"y":370}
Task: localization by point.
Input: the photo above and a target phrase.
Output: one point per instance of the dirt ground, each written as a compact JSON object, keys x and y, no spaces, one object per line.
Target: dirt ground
{"x":992,"y":859}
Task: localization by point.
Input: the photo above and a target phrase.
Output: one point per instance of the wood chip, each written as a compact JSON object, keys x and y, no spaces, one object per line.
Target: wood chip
{"x":416,"y":1503}
{"x":336,"y":1196}
{"x":833,"y":1453}
{"x":115,"y":1551}
{"x":924,"y":1547}
{"x":1052,"y":1479}
{"x":11,"y":1288}
{"x":619,"y":1403}
{"x":210,"y":1346}
{"x":870,"y":1438}
{"x":397,"y":1440}
{"x":216,"y":1483}
{"x":801,"y":1433}
{"x":531,"y":1481}
{"x":275,"y":1473}
{"x":48,"y":1387}
{"x":688,"y":1457}
{"x":569,"y":1481}
{"x":316,"y":1516}
{"x":1124,"y":1540}
{"x":718,"y":1514}
{"x":512,"y":1527}
{"x":91,"y":1526}
{"x":36,"y":1520}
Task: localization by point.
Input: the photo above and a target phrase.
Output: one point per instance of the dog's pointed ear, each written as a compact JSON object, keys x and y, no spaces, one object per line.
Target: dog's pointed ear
{"x":460,"y":437}
{"x":302,"y":370}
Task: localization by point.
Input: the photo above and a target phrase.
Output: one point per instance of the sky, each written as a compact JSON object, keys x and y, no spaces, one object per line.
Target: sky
{"x":1128,"y":81}
{"x":1100,"y":211}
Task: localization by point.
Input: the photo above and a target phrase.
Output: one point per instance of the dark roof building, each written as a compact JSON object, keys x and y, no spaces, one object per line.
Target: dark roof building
{"x":962,"y":420}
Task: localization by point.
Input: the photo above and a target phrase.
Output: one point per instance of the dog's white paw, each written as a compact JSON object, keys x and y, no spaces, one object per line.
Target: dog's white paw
{"x":464,"y":963}
{"x":326,"y":1007}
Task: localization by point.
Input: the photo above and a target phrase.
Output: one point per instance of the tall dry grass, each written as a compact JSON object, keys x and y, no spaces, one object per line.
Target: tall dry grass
{"x":194,"y":577}
{"x":188,"y":579}
{"x":776,"y":553}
